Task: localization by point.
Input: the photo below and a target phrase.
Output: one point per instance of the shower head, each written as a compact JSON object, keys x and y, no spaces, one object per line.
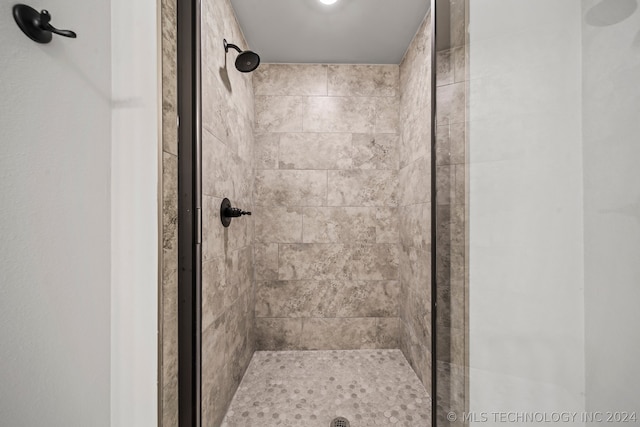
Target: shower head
{"x":247,"y":61}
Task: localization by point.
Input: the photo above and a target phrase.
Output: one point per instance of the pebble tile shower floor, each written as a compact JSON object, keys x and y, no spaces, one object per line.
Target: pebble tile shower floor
{"x":311,"y":388}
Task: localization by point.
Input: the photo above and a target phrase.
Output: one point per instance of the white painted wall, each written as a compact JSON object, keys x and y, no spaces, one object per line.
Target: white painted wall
{"x":526,"y":229}
{"x":611,"y":129}
{"x":135,"y":158}
{"x":55,"y":220}
{"x":78,"y":219}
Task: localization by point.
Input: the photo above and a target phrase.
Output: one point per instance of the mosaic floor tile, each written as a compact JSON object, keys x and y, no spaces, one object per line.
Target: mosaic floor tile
{"x":311,"y":388}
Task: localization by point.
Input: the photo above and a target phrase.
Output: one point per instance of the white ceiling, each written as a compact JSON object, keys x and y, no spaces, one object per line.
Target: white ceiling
{"x":348,"y":32}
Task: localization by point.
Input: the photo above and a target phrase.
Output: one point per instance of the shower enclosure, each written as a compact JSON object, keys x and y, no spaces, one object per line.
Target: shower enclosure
{"x":473,"y":207}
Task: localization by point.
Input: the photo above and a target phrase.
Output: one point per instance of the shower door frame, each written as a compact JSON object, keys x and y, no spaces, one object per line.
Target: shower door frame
{"x":434,"y":224}
{"x":189,"y":213}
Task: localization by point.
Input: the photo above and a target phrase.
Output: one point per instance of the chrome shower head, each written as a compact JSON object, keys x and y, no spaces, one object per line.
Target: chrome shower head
{"x":247,"y":61}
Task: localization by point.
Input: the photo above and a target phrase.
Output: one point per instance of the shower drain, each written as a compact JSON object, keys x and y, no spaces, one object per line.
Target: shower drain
{"x":340,"y":422}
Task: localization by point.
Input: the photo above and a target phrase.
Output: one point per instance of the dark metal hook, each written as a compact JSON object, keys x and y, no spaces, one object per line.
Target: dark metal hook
{"x":45,"y":18}
{"x":36,"y":25}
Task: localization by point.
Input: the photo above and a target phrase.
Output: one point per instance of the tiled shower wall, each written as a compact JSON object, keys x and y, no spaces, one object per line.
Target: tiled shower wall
{"x":227,"y":253}
{"x":168,"y":327}
{"x":451,"y":203}
{"x":326,"y":196}
{"x":414,"y":201}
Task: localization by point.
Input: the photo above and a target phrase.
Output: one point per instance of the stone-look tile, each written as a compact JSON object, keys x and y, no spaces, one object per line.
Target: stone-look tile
{"x":415,"y":197}
{"x":350,"y":224}
{"x":214,"y":244}
{"x":459,"y":187}
{"x":310,"y":388}
{"x":451,"y":391}
{"x":228,"y":160}
{"x":238,"y":348}
{"x":278,"y":113}
{"x":169,"y":287}
{"x":338,"y":261}
{"x":445,"y":182}
{"x":278,"y":333}
{"x":266,"y":150}
{"x":240,"y":270}
{"x":387,"y":225}
{"x":375,"y":151}
{"x":217,"y":390}
{"x":315,"y":151}
{"x":450,"y":299}
{"x":458,"y":60}
{"x":291,"y":188}
{"x":364,"y":80}
{"x":415,"y":139}
{"x":327,"y":298}
{"x":363,"y":188}
{"x":387,"y":115}
{"x":457,"y":143}
{"x":169,"y":322}
{"x":290,"y":79}
{"x":415,"y":225}
{"x":415,"y":183}
{"x":444,"y":70}
{"x":169,"y":214}
{"x":388,"y":332}
{"x":218,"y":164}
{"x":415,"y":98}
{"x":266,"y":261}
{"x":443,"y":146}
{"x":339,"y":114}
{"x":216,"y":295}
{"x":169,"y":78}
{"x":278,"y":224}
{"x":450,"y":104}
{"x":450,"y":345}
{"x":367,"y":105}
{"x":415,"y":267}
{"x":355,"y":333}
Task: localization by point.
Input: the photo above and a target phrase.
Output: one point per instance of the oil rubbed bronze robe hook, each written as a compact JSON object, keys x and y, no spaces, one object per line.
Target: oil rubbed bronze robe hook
{"x":36,"y":24}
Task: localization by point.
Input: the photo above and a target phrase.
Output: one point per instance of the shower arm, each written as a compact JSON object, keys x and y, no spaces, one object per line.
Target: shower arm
{"x":230,"y":45}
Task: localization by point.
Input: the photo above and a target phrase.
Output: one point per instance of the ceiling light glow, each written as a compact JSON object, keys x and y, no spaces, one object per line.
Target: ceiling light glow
{"x":328,"y":1}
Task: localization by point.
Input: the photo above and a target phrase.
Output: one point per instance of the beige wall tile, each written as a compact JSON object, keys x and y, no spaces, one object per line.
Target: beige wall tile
{"x":266,"y":150}
{"x":213,"y":233}
{"x":415,"y":182}
{"x":279,"y":113}
{"x":458,"y":143}
{"x":450,"y":104}
{"x":415,"y":225}
{"x":315,"y":151}
{"x":375,"y":151}
{"x":278,"y":333}
{"x":338,"y":261}
{"x":291,"y":188}
{"x":290,"y":79}
{"x":364,"y":80}
{"x":444,"y":71}
{"x":215,"y":293}
{"x":327,"y":298}
{"x":387,"y":115}
{"x":266,"y":261}
{"x":388,"y":332}
{"x":339,"y":114}
{"x":354,"y":333}
{"x":335,"y":225}
{"x":363,"y":188}
{"x":278,"y":224}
